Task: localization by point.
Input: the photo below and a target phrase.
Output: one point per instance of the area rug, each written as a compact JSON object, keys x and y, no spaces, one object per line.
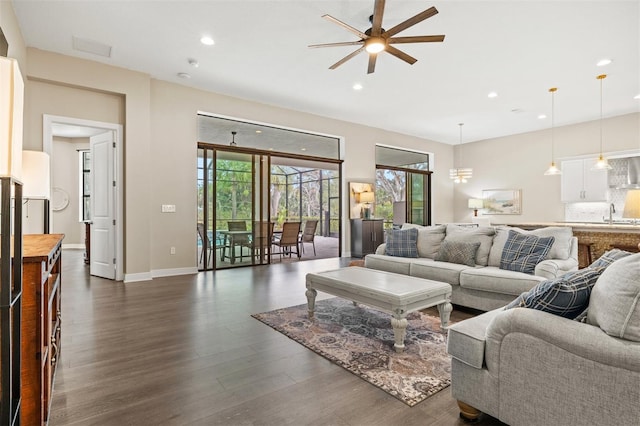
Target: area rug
{"x":361,"y":340}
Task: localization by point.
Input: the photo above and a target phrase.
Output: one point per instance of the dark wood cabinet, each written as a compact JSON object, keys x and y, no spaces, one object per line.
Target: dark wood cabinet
{"x":366,"y":236}
{"x":41,"y":324}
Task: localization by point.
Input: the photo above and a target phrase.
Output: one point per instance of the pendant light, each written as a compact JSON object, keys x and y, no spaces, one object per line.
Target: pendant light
{"x":602,"y":163}
{"x":553,"y":169}
{"x":458,"y":174}
{"x":233,"y":139}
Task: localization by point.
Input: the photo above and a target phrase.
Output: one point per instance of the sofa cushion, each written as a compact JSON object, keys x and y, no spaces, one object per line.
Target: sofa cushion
{"x":522,"y":252}
{"x":561,"y":248}
{"x":429,"y":238}
{"x":609,"y":257}
{"x":437,"y":271}
{"x":397,"y":265}
{"x":482,"y":234}
{"x":461,"y":252}
{"x":615,"y":299}
{"x":467,"y":338}
{"x":402,"y":242}
{"x":566,"y":296}
{"x":495,"y":280}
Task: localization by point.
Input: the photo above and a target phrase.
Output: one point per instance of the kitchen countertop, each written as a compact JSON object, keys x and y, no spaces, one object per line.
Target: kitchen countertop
{"x":583,"y":226}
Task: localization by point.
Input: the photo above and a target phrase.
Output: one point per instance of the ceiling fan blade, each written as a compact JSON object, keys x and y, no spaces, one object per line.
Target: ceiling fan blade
{"x":401,"y":55}
{"x":376,"y":23}
{"x":417,"y":39}
{"x":346,"y":58}
{"x":411,"y":22}
{"x":346,"y":26}
{"x":372,"y":63}
{"x":344,"y":43}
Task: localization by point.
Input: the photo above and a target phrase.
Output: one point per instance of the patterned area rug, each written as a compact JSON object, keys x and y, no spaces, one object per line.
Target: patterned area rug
{"x":361,"y":340}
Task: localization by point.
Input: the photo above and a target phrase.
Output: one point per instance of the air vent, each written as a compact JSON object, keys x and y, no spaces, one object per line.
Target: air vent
{"x":93,"y":47}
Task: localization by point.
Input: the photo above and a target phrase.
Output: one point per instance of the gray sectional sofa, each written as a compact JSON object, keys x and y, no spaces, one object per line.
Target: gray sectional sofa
{"x":529,"y":367}
{"x":484,"y":286}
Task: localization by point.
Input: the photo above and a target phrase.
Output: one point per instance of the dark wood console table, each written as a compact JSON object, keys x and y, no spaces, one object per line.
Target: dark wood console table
{"x":41,"y":324}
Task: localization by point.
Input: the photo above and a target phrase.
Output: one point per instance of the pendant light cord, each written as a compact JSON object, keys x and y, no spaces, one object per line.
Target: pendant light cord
{"x":553,"y":114}
{"x":601,"y":77}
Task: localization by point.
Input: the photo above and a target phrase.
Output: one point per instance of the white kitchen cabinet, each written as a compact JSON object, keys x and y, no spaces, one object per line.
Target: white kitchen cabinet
{"x":581,"y":184}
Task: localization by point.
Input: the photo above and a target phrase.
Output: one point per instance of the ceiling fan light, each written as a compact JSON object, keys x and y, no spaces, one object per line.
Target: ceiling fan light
{"x":374,"y":45}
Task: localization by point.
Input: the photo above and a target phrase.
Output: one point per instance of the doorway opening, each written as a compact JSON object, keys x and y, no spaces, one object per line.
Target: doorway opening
{"x":63,"y":138}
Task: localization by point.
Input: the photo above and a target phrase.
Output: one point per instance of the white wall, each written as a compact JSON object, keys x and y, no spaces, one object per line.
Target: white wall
{"x":65,"y":174}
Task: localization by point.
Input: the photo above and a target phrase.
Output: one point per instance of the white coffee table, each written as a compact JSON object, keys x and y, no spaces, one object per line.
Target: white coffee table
{"x":394,"y":293}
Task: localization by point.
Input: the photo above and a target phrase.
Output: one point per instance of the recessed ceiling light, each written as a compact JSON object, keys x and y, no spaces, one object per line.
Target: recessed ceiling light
{"x":603,"y":62}
{"x":303,"y":149}
{"x":542,"y":116}
{"x":184,"y":75}
{"x":357,"y":86}
{"x":258,"y":131}
{"x":492,"y":95}
{"x":637,"y":96}
{"x":270,"y":149}
{"x":206,"y":40}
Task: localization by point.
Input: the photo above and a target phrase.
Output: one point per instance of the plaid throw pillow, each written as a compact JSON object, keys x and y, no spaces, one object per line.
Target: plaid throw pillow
{"x":609,"y":257}
{"x":402,"y":242}
{"x":522,"y":252}
{"x":458,"y":252}
{"x":566,"y":296}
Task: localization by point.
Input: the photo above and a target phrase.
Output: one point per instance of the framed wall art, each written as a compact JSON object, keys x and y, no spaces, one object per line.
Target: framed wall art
{"x":502,"y":201}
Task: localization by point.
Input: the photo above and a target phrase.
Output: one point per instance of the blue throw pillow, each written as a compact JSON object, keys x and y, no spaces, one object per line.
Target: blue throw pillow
{"x":402,"y":242}
{"x":566,"y":296}
{"x":608,"y":258}
{"x":522,"y":252}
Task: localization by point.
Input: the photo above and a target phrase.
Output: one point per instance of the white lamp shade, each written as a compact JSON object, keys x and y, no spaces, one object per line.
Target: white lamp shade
{"x":11,"y":111}
{"x":35,"y":175}
{"x":632,"y":204}
{"x":367,"y":197}
{"x":476,"y":203}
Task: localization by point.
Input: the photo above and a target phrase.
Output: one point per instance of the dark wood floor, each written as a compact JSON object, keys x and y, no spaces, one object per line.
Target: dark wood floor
{"x":184,"y":350}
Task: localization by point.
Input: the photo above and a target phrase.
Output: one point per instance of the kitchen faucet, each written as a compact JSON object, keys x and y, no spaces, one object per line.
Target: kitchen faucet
{"x":612,"y":210}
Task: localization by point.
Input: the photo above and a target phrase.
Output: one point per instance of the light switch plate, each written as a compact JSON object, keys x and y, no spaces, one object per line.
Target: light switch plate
{"x":168,"y":208}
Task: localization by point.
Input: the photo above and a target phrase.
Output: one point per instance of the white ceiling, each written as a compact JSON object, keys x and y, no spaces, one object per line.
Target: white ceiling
{"x":518,"y":49}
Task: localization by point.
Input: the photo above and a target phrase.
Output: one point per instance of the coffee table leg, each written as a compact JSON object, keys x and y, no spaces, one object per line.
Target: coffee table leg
{"x":399,"y":324}
{"x":311,"y":300}
{"x":445,"y":311}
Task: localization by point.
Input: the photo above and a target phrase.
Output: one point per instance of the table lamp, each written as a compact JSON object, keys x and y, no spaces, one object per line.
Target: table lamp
{"x":367,"y":198}
{"x":475,"y":204}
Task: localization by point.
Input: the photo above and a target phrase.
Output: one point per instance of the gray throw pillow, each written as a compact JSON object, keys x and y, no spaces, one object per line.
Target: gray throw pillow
{"x":429,"y":238}
{"x":566,"y":296}
{"x":402,"y":243}
{"x":482,"y":234}
{"x":522,"y":253}
{"x":460,"y":252}
{"x":615,"y":299}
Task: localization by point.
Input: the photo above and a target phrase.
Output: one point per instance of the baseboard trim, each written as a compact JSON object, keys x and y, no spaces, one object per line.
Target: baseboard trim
{"x":158,"y":273}
{"x":141,"y":276}
{"x":73,"y":246}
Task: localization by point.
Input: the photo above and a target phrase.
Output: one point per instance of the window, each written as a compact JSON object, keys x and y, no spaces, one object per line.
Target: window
{"x":403,"y":186}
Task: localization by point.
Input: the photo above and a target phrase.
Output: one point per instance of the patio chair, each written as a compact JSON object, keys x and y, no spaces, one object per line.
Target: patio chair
{"x":206,"y":242}
{"x":308,"y":234}
{"x":288,"y":239}
{"x":262,"y":237}
{"x":241,"y":240}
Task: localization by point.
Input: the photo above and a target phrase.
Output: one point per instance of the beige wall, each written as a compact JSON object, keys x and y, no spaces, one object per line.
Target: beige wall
{"x":160,"y":147}
{"x":9,"y":25}
{"x":519,"y":161}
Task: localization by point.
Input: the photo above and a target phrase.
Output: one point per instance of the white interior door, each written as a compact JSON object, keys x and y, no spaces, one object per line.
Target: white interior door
{"x":103,"y":235}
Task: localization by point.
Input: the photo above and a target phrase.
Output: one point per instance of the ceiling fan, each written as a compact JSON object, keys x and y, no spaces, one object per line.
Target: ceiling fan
{"x":376,"y":39}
